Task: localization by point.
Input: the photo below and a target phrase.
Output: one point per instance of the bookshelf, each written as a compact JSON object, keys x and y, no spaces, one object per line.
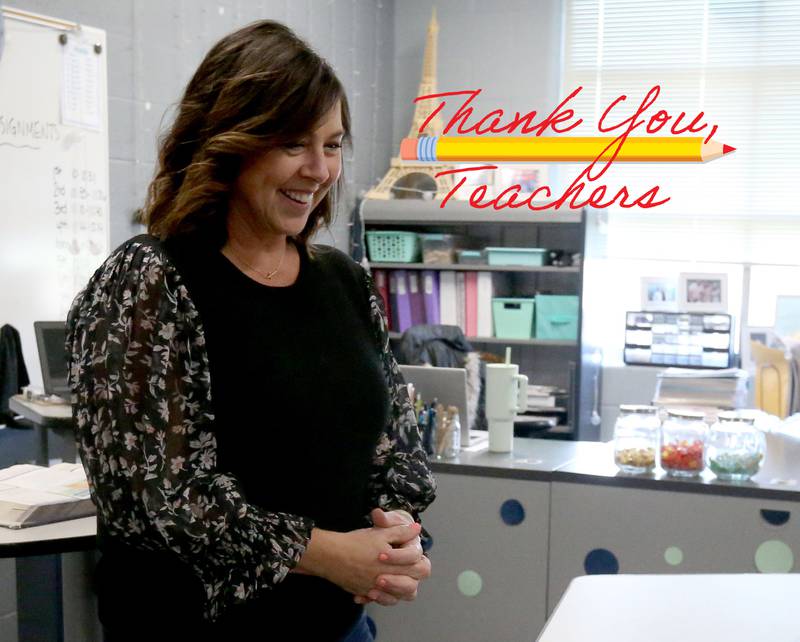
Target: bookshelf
{"x":473,"y":268}
{"x":565,"y":364}
{"x":508,"y":342}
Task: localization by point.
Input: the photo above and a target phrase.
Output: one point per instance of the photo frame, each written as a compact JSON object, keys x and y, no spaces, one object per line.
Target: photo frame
{"x":659,"y":294}
{"x":529,"y":177}
{"x":703,"y":292}
{"x":474,"y":179}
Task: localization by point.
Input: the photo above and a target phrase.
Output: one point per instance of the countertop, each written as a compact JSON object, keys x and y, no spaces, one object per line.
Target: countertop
{"x":585,"y":462}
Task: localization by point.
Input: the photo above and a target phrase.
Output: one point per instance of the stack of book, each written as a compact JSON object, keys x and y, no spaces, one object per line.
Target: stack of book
{"x":33,"y":495}
{"x":725,"y":389}
{"x":542,"y":396}
{"x":446,"y":297}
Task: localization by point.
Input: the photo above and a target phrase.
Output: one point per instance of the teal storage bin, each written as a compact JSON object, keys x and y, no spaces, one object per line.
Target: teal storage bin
{"x":393,"y":247}
{"x":525,"y":256}
{"x":557,"y":317}
{"x":513,"y":318}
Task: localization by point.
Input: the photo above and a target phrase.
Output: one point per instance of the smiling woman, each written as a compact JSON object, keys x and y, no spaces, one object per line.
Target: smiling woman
{"x":248,"y":438}
{"x":274,"y":196}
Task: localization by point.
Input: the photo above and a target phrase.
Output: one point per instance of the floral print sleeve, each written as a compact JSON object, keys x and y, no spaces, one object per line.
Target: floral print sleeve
{"x":401,"y":476}
{"x":144,"y":426}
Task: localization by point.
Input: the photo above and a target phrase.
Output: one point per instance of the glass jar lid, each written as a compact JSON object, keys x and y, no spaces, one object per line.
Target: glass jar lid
{"x":686,"y":414}
{"x":628,"y":407}
{"x":737,"y":416}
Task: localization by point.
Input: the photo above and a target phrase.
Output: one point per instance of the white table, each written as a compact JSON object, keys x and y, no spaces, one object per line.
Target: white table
{"x":59,"y":537}
{"x":670,"y":608}
{"x":46,"y":417}
{"x":54,"y":415}
{"x":54,"y":596}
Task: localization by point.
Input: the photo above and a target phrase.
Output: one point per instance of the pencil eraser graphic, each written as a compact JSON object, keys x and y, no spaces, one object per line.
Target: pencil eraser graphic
{"x":408,"y":149}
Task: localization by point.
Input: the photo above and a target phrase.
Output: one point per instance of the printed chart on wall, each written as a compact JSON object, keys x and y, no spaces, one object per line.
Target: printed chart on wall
{"x":54,"y":200}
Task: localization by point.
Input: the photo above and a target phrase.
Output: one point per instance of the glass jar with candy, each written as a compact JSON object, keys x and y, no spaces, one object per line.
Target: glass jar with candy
{"x":683,"y":441}
{"x":636,"y":438}
{"x":735,"y":447}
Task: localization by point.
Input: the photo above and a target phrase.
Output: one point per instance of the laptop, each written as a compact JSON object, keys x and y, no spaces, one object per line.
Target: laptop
{"x":448,"y":385}
{"x":50,"y":339}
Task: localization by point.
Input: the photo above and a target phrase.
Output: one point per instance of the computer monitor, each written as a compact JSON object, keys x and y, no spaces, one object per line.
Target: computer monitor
{"x":50,"y":339}
{"x":447,"y":385}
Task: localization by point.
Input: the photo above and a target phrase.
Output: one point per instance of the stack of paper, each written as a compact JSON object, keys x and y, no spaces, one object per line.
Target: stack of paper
{"x":33,"y":495}
{"x":725,"y":389}
{"x":544,"y":396}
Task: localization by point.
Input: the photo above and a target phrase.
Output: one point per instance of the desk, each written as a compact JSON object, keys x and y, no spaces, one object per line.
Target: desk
{"x":46,"y":417}
{"x":54,"y":597}
{"x":60,"y":537}
{"x":666,"y":608}
{"x":45,"y":414}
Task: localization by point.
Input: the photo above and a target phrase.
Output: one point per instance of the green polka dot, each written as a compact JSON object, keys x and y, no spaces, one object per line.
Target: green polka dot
{"x":673,"y":556}
{"x":773,"y":556}
{"x":469,"y":583}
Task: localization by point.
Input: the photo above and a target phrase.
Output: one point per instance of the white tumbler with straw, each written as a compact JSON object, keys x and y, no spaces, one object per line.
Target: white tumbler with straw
{"x":506,"y":395}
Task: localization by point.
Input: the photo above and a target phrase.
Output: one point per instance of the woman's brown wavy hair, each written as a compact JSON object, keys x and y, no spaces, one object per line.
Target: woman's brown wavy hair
{"x":258,"y":88}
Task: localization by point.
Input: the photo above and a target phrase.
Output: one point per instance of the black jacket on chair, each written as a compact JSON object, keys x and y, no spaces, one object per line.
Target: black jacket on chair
{"x":13,"y":375}
{"x":445,"y":346}
{"x":439,"y":345}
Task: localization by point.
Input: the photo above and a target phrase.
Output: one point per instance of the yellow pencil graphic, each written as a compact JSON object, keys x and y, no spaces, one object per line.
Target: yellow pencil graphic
{"x":565,"y":149}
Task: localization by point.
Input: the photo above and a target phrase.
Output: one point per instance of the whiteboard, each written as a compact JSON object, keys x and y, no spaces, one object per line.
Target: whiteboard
{"x":54,"y":196}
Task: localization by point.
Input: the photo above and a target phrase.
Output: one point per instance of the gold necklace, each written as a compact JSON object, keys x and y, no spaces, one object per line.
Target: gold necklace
{"x":263,"y":275}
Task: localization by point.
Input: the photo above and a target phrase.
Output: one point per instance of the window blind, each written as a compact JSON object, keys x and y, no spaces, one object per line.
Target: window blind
{"x":739,"y":62}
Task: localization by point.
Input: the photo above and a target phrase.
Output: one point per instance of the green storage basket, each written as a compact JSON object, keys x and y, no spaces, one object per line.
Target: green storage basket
{"x":513,"y":318}
{"x":557,"y":317}
{"x":393,"y":247}
{"x":524,"y":256}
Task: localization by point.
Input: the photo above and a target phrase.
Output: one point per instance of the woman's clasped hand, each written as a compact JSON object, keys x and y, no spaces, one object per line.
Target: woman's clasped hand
{"x":408,"y":563}
{"x":383,"y":563}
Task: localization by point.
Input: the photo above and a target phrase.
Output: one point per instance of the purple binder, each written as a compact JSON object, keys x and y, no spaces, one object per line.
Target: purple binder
{"x":430,"y":295}
{"x":401,"y":302}
{"x":415,"y":296}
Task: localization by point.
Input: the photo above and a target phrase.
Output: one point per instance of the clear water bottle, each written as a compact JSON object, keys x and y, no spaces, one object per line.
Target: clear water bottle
{"x":448,"y":433}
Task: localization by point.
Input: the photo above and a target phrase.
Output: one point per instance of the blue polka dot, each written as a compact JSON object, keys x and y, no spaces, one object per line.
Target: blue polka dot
{"x":775,"y":517}
{"x":600,"y":562}
{"x":372,"y":628}
{"x":427,"y":542}
{"x":512,"y":512}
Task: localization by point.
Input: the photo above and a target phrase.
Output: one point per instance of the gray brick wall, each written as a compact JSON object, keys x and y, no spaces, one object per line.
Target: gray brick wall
{"x":155,"y":45}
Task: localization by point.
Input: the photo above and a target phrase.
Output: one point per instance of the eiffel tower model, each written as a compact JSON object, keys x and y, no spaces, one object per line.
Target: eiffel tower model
{"x":416,"y":179}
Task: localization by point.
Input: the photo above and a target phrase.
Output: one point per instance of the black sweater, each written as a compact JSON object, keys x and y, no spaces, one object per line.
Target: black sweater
{"x":299,"y":399}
